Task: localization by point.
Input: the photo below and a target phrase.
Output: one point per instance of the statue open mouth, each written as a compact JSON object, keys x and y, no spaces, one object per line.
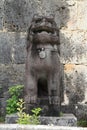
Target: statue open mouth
{"x":43,"y":28}
{"x":42,"y":23}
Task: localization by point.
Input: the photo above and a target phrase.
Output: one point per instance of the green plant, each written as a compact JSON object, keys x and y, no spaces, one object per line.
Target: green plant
{"x":14,"y":92}
{"x":35,"y":115}
{"x":24,"y":118}
{"x":82,"y":123}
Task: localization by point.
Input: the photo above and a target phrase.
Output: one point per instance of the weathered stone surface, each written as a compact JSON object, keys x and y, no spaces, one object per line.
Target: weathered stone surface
{"x":18,"y":13}
{"x":81,"y":111}
{"x":4,"y":79}
{"x":1,"y":13}
{"x":73,"y":47}
{"x":11,"y":119}
{"x":19,"y":48}
{"x":82,"y":14}
{"x":9,"y":76}
{"x":5,"y":48}
{"x":3,"y":105}
{"x":71,"y":23}
{"x":12,"y":48}
{"x":75,"y":83}
{"x":65,"y":120}
{"x":17,"y":74}
{"x":77,"y":15}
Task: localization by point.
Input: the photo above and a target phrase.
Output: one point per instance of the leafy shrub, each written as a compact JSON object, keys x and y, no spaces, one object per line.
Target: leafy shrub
{"x":35,"y":115}
{"x":24,"y":118}
{"x":15,"y":92}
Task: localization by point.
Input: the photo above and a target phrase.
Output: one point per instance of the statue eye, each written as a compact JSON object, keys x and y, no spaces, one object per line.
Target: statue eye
{"x":38,"y":21}
{"x":50,"y":20}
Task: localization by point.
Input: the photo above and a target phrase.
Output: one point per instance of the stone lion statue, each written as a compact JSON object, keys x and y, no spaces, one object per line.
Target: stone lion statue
{"x":43,"y":69}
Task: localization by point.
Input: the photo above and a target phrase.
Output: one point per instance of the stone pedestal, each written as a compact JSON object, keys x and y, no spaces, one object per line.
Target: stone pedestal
{"x":65,"y":120}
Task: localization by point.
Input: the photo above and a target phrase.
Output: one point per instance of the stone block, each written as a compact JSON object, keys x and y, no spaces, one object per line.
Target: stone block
{"x":19,"y":13}
{"x":11,"y":75}
{"x":5,"y":48}
{"x":11,"y":119}
{"x":77,"y":15}
{"x":12,"y":48}
{"x":82,"y":14}
{"x":1,"y":13}
{"x":58,"y":8}
{"x":19,"y":48}
{"x":81,"y":111}
{"x":3,"y":106}
{"x":4,"y":79}
{"x":65,"y":120}
{"x":69,"y":14}
{"x":17,"y":74}
{"x":71,"y":23}
{"x":75,"y":84}
{"x":73,"y":47}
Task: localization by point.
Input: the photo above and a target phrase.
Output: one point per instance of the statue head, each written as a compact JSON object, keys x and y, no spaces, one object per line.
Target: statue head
{"x":43,"y":30}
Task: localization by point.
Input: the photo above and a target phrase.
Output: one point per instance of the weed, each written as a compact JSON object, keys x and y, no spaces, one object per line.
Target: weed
{"x":24,"y":118}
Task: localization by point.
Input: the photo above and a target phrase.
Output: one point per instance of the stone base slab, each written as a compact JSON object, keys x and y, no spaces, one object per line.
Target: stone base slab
{"x":65,"y":120}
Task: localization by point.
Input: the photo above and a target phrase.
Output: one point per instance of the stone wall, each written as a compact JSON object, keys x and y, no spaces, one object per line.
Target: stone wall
{"x":71,"y":17}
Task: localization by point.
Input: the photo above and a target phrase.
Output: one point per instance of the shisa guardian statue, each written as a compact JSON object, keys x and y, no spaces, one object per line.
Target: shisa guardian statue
{"x":43,"y":86}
